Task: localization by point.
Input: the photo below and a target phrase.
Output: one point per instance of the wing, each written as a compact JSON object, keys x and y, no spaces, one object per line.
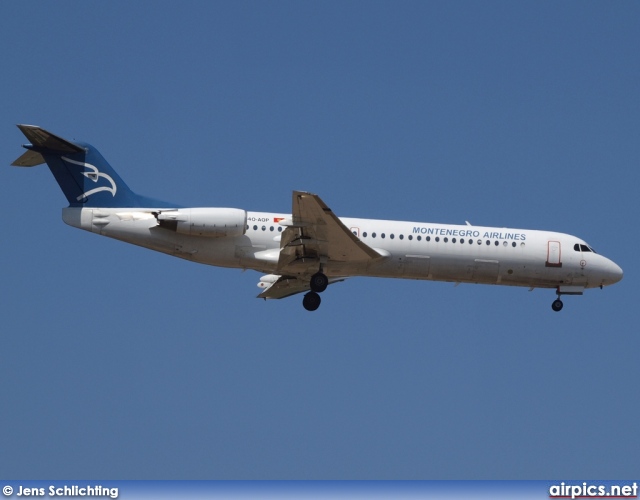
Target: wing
{"x":315,"y":236}
{"x":279,"y":287}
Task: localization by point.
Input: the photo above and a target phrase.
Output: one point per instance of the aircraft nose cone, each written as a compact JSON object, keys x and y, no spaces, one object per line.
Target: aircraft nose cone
{"x":609,"y":272}
{"x":605,"y":272}
{"x":615,"y":272}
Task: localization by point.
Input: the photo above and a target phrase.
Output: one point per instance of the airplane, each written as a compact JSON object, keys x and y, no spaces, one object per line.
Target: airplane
{"x":311,"y":248}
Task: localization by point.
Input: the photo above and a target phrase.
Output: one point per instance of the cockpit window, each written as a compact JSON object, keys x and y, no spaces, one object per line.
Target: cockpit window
{"x":581,"y":247}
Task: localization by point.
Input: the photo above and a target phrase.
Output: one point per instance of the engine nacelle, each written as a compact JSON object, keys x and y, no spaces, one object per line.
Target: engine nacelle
{"x":209,"y":222}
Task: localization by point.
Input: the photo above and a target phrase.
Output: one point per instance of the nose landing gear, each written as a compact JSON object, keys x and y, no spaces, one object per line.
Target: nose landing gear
{"x":566,"y":290}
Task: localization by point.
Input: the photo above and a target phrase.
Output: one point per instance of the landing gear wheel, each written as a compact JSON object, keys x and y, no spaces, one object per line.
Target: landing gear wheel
{"x":311,"y":301}
{"x":319,"y":282}
{"x":557,"y":305}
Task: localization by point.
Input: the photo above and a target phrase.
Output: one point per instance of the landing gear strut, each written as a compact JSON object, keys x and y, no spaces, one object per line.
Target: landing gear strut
{"x":557,"y":305}
{"x":311,"y":301}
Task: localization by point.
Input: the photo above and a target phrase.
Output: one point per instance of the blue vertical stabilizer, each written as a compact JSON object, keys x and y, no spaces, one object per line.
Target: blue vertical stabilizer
{"x":84,"y":176}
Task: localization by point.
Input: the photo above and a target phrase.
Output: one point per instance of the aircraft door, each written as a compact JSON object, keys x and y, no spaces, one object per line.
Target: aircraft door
{"x":554,"y":254}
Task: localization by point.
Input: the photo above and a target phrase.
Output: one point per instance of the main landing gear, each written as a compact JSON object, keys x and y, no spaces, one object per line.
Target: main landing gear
{"x":318,"y":284}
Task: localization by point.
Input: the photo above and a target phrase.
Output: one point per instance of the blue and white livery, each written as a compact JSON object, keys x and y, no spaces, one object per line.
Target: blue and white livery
{"x":310,"y":248}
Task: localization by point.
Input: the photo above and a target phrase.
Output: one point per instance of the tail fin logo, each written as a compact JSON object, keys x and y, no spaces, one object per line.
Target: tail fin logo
{"x":93,"y":174}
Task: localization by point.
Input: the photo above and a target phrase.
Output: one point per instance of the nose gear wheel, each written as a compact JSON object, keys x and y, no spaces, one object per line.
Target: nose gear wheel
{"x":557,"y":305}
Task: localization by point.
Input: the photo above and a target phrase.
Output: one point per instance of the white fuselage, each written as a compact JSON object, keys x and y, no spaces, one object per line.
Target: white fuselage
{"x":414,"y":250}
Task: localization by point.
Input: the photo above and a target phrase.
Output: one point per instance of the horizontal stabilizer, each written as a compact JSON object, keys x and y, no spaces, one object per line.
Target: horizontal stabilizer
{"x":41,"y":138}
{"x":29,"y":159}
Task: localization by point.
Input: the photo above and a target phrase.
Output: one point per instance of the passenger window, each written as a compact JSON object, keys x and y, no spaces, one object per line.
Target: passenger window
{"x":488,"y":242}
{"x":410,"y":237}
{"x":264,"y":228}
{"x":453,"y":240}
{"x":513,"y":244}
{"x":373,"y":235}
{"x":271,"y":228}
{"x":420,"y":237}
{"x":428,"y":238}
{"x":382,"y":235}
{"x":255,"y":228}
{"x":446,"y":240}
{"x":364,"y":235}
{"x":437,"y":238}
{"x":461,"y":240}
{"x":391,"y":236}
{"x":401,"y":237}
{"x":497,"y":242}
{"x":279,"y":229}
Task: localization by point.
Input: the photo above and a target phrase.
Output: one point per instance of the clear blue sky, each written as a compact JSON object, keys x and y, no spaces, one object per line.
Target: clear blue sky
{"x":121,"y":363}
